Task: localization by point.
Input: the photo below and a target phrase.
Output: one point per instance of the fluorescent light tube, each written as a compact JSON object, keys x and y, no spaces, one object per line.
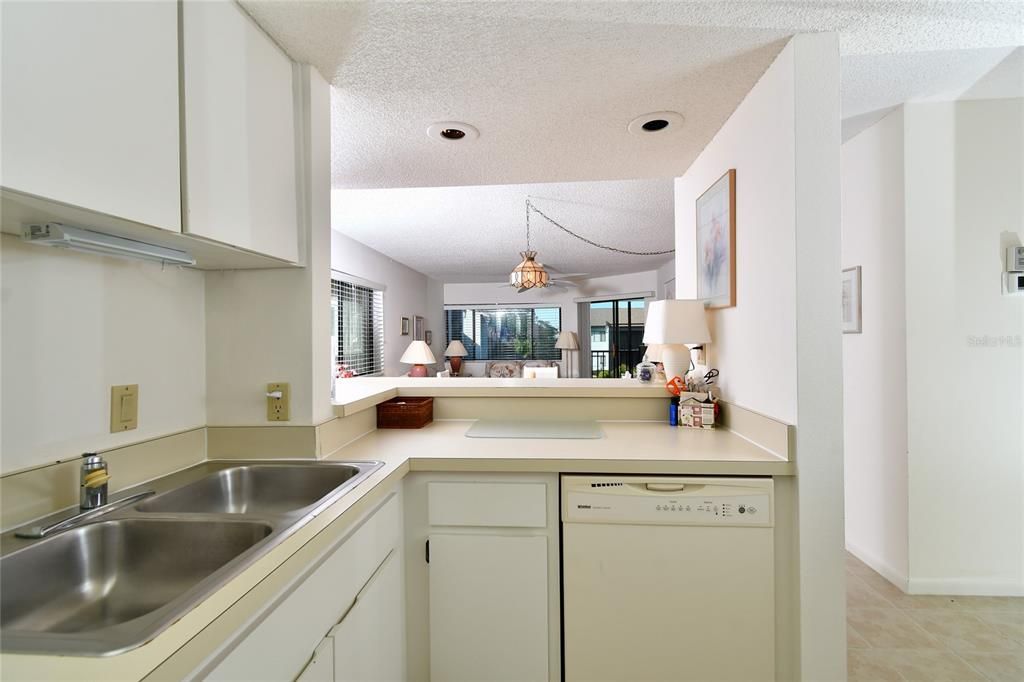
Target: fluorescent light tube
{"x":65,"y":236}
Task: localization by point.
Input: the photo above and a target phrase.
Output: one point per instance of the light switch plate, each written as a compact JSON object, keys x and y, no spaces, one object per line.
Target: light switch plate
{"x":124,"y":408}
{"x":278,"y":408}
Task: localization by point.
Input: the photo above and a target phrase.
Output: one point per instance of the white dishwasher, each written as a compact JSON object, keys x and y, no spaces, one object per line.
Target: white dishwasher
{"x":668,"y":578}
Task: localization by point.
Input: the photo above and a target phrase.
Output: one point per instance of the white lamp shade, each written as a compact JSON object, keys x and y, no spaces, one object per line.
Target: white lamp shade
{"x":567,"y":341}
{"x":455,"y":349}
{"x":418,"y":353}
{"x":676,"y":322}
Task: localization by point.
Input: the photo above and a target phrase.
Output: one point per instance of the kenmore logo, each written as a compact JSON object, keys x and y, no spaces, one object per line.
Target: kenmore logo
{"x":583,"y":506}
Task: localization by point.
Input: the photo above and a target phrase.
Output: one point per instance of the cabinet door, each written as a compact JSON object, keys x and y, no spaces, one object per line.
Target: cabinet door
{"x":369,"y":643}
{"x":488,"y":607}
{"x":239,"y":132}
{"x":321,"y":667}
{"x":90,"y":106}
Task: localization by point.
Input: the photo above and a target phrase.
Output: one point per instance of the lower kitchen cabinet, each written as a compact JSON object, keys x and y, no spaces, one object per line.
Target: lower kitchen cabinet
{"x":344,"y":619}
{"x":488,"y":607}
{"x":483,"y":594}
{"x":369,"y":642}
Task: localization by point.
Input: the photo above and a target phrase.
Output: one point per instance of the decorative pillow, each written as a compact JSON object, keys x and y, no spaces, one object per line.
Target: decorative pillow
{"x":503,"y":370}
{"x":539,"y":363}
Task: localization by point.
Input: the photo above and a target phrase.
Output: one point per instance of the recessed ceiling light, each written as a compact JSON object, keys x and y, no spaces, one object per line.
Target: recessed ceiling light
{"x":452,"y":131}
{"x":662,"y":122}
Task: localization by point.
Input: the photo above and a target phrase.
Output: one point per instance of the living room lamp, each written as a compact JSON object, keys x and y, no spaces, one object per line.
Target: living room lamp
{"x":455,"y":352}
{"x":418,"y":354}
{"x":567,"y":341}
{"x":672,"y":324}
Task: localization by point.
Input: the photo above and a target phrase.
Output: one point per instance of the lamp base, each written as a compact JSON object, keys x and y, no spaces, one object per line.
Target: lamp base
{"x":418,"y":371}
{"x":456,"y":365}
{"x":676,"y":359}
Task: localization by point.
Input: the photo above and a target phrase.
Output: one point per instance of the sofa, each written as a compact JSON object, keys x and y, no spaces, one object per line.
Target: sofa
{"x":513,"y":369}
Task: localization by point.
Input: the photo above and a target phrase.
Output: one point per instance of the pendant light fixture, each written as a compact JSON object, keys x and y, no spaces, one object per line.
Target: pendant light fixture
{"x":529,"y":274}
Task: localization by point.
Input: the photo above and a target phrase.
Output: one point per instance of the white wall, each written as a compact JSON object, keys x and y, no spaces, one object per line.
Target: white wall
{"x":875,"y":361}
{"x":753,"y":344}
{"x":490,"y":293}
{"x":273,"y":325}
{"x":964,"y":205}
{"x":408,"y":293}
{"x":779,"y":349}
{"x":74,"y":325}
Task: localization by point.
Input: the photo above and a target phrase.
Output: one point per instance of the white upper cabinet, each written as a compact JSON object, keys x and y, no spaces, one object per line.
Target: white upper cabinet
{"x":90,"y":112}
{"x":239,"y":116}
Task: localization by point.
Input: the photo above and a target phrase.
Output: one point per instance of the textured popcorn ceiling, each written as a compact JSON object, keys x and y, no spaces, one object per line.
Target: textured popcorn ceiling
{"x":475,"y":234}
{"x":552,"y":85}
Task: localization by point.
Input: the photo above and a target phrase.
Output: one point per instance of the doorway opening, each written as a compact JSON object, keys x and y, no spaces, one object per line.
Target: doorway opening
{"x":616,"y":336}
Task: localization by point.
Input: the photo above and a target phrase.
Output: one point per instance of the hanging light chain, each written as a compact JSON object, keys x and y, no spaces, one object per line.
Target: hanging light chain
{"x":530,"y":206}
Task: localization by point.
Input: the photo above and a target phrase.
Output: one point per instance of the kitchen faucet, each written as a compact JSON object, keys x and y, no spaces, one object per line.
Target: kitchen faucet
{"x":92,"y":499}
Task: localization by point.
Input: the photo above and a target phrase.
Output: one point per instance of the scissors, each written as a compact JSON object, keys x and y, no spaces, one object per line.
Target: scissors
{"x":709,"y":378}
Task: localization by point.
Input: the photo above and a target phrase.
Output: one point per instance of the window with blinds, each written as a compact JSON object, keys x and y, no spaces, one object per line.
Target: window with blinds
{"x":358,"y":327}
{"x":497,"y":333}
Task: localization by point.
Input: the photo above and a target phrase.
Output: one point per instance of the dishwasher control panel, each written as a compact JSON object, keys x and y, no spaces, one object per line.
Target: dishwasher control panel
{"x":739,"y":502}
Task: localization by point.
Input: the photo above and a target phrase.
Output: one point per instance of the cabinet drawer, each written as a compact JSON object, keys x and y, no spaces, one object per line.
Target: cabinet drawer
{"x":517,"y":505}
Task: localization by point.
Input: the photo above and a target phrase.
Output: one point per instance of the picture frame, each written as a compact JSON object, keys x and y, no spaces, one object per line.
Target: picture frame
{"x":428,"y":336}
{"x":418,"y":328}
{"x":852,"y":311}
{"x":405,"y":326}
{"x":715,"y":236}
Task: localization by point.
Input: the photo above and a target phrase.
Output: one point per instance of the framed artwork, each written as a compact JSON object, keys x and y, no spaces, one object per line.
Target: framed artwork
{"x":428,"y":337}
{"x":418,"y":325}
{"x":852,"y":322}
{"x":405,"y":326}
{"x":716,"y":243}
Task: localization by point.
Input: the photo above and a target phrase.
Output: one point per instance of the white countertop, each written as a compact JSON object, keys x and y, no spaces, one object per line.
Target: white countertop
{"x":354,"y":395}
{"x":626,"y":447}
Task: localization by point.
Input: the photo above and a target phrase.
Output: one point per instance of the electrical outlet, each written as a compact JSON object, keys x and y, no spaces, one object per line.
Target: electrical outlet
{"x":124,"y":408}
{"x":278,"y":407}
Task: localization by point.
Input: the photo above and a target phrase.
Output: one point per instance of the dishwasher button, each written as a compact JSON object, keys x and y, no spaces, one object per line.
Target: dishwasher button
{"x":743,"y":510}
{"x":752,"y":510}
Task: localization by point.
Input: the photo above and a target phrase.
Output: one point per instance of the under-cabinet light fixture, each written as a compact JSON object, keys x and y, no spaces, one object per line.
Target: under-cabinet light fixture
{"x":78,"y":239}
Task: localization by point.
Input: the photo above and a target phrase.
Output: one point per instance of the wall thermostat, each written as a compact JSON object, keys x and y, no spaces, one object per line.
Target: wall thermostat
{"x":1015,"y":283}
{"x":1015,"y":259}
{"x":1013,"y":278}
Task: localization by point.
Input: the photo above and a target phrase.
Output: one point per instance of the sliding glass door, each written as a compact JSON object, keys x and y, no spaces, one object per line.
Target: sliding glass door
{"x":616,"y":336}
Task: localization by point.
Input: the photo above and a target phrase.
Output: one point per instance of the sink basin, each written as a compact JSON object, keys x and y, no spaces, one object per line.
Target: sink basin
{"x":254,"y":489}
{"x":99,"y":577}
{"x":116,"y":582}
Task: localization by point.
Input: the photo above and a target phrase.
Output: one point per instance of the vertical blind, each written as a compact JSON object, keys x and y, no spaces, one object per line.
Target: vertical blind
{"x":506,"y":333}
{"x":358,"y":327}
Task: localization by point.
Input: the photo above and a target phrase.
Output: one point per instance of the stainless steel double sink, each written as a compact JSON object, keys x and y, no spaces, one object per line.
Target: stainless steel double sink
{"x":116,"y":582}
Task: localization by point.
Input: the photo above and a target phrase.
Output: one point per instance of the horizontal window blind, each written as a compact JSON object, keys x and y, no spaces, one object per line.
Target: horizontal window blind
{"x":358,"y":327}
{"x":496,"y":333}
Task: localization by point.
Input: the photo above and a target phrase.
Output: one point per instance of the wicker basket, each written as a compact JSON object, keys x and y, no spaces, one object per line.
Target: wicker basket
{"x":405,"y":413}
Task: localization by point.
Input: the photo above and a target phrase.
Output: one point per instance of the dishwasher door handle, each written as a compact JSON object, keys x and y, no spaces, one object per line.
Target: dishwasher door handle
{"x":666,"y":487}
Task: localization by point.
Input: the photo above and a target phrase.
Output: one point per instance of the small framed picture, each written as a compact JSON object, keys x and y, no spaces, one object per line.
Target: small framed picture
{"x":428,"y":337}
{"x":405,"y":326}
{"x":716,"y":243}
{"x":418,"y":327}
{"x":852,"y":323}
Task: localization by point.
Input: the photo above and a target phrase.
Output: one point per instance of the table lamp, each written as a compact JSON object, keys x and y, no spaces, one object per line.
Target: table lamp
{"x":672,"y":324}
{"x":567,"y":341}
{"x":455,"y":352}
{"x":418,"y":355}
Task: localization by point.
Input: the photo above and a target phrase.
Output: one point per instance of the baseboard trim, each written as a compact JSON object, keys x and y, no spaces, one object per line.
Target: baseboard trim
{"x":975,"y":587}
{"x":883,"y":568}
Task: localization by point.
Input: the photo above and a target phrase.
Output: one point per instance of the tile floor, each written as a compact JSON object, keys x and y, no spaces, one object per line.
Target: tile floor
{"x":894,"y":636}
